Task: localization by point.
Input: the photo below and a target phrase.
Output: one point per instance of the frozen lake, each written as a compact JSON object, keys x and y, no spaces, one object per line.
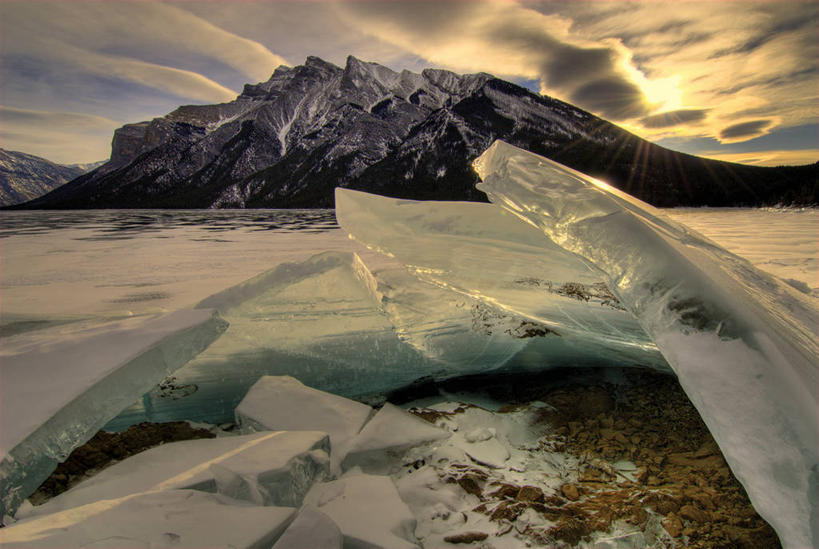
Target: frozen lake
{"x":63,"y":266}
{"x":490,"y":295}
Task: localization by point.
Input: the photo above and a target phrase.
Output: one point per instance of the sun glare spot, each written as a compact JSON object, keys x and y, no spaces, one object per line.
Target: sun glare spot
{"x":663,"y":92}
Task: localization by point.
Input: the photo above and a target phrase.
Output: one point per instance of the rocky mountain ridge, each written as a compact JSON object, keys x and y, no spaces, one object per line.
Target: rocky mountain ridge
{"x":290,"y":141}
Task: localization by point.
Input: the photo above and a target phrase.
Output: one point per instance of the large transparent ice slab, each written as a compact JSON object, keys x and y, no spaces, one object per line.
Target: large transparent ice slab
{"x":499,"y":267}
{"x":59,"y":386}
{"x":743,"y":344}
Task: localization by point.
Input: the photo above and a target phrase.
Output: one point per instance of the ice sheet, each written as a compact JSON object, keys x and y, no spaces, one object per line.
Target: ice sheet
{"x":781,"y":241}
{"x":339,"y":326}
{"x":59,"y":386}
{"x":743,"y":344}
{"x":311,"y":529}
{"x":390,"y":430}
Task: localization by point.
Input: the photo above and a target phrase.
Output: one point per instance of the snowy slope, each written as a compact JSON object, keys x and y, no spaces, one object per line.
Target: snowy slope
{"x":24,"y":177}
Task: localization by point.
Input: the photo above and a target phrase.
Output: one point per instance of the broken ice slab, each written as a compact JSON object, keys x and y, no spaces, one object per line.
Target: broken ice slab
{"x":270,"y":468}
{"x":368,"y":510}
{"x":318,"y":320}
{"x":336,"y":326}
{"x":173,"y":518}
{"x":311,"y":529}
{"x":59,"y":386}
{"x":390,"y":430}
{"x":744,"y":345}
{"x":505,"y":265}
{"x":276,"y":403}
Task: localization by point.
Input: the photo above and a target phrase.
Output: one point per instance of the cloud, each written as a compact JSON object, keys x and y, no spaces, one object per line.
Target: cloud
{"x":614,"y":98}
{"x":64,"y":137}
{"x":295,"y":30}
{"x":796,"y":157}
{"x":146,"y":43}
{"x":123,"y":61}
{"x":510,"y":40}
{"x":740,"y":60}
{"x":745,"y":130}
{"x":674,"y":118}
{"x":64,"y":120}
{"x":655,"y":69}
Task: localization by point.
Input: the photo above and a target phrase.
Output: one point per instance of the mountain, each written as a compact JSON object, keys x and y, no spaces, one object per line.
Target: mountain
{"x":24,"y":176}
{"x":288,"y":142}
{"x":88,"y":166}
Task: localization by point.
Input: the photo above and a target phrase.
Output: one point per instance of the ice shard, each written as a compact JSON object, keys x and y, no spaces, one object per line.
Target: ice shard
{"x":742,"y":343}
{"x":59,"y":387}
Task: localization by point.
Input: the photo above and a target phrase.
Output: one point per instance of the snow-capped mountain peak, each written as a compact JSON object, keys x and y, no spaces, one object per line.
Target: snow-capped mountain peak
{"x":289,"y":141}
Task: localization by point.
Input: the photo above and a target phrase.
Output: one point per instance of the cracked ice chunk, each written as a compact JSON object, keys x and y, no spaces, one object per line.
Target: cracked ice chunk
{"x":368,"y":511}
{"x":391,"y":429}
{"x":744,"y":345}
{"x":57,"y":391}
{"x":312,"y":529}
{"x":275,"y":468}
{"x":284,"y":403}
{"x":177,"y":518}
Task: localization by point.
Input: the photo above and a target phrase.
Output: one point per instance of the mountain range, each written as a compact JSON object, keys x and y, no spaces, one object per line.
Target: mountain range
{"x":288,"y":142}
{"x":24,"y":176}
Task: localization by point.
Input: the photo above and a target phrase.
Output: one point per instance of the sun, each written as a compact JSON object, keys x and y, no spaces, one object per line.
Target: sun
{"x":663,"y":93}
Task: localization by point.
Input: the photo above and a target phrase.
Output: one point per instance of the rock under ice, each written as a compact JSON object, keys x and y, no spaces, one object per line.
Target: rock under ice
{"x":743,"y":344}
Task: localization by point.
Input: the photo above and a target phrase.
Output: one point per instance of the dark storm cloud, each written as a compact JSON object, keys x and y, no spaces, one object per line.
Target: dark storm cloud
{"x":591,"y":77}
{"x":572,"y":65}
{"x":745,"y":129}
{"x":674,"y":118}
{"x":614,"y":98}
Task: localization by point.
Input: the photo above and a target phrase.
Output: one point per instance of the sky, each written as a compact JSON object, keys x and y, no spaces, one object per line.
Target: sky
{"x":732,"y":80}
